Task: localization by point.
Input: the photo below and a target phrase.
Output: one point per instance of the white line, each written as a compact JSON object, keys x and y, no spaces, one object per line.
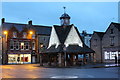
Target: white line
{"x":90,"y":76}
{"x":64,"y":77}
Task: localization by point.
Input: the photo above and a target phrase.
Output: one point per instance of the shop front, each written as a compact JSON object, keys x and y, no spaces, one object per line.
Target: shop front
{"x":19,"y":58}
{"x":111,"y":53}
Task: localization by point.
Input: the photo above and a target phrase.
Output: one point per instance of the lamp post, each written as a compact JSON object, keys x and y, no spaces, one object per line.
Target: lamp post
{"x":30,"y":37}
{"x":4,"y":48}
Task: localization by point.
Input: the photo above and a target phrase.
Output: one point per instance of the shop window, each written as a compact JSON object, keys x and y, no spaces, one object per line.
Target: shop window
{"x":110,"y":55}
{"x":22,"y":45}
{"x":107,"y":55}
{"x":24,"y":35}
{"x":33,"y":46}
{"x":14,"y":34}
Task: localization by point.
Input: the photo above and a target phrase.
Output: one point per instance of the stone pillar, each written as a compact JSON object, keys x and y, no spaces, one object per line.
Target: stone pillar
{"x":90,"y":58}
{"x":59,"y":59}
{"x":71,"y":59}
{"x":94,"y":58}
{"x":41,"y":62}
{"x":65,"y":59}
{"x":76,"y":59}
{"x":84,"y":58}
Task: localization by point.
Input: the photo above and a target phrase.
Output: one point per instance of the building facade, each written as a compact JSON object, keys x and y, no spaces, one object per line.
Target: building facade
{"x":42,"y":39}
{"x":86,"y":37}
{"x":106,"y":44}
{"x":20,"y":43}
{"x":111,"y":43}
{"x":65,"y":45}
{"x":96,"y":45}
{"x":0,"y":45}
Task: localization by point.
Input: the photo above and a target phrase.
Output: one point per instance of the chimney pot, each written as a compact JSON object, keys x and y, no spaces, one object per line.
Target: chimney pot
{"x":30,"y":22}
{"x":3,"y":20}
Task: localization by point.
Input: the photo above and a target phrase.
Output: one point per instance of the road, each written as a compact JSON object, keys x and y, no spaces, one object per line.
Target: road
{"x":33,"y":71}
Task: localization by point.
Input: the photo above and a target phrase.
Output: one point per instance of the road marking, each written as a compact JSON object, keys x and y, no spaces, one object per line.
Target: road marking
{"x":64,"y":77}
{"x":90,"y":76}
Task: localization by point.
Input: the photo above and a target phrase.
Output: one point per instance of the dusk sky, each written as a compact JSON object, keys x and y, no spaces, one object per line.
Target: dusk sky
{"x":89,"y":16}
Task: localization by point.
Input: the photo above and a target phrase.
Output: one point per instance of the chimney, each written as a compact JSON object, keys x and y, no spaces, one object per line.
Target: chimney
{"x":3,"y":20}
{"x":30,"y":22}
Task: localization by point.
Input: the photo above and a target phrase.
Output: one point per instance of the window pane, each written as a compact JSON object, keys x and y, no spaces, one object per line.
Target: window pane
{"x":14,"y":34}
{"x":24,"y":35}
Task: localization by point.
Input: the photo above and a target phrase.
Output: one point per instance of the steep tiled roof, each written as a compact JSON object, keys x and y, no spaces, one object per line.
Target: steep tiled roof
{"x":7,"y":26}
{"x":62,"y":33}
{"x":117,"y":25}
{"x":100,"y":34}
{"x":70,"y":49}
{"x":43,"y":30}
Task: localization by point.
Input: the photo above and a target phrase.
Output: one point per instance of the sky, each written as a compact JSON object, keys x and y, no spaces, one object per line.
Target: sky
{"x":89,"y":16}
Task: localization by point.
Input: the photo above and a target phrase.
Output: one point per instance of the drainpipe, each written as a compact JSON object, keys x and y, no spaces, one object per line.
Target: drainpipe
{"x":101,"y":51}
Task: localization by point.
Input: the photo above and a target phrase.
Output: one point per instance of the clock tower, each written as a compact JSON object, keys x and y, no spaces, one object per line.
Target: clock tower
{"x":65,"y":18}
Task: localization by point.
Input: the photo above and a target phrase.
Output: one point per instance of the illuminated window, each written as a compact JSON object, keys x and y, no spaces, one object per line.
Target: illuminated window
{"x":22,"y":45}
{"x":41,"y":45}
{"x":107,"y":55}
{"x":14,"y":34}
{"x":110,"y":55}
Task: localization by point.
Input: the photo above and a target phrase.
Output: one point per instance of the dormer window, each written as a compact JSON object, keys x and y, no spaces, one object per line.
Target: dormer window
{"x":14,"y":34}
{"x":33,"y":36}
{"x":24,"y":35}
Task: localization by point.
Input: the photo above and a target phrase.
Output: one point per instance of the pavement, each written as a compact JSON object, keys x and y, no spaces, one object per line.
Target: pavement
{"x":86,"y":71}
{"x":86,"y":66}
{"x":99,"y":65}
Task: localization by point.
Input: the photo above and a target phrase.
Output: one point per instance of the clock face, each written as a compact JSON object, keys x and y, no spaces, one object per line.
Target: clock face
{"x":66,"y":21}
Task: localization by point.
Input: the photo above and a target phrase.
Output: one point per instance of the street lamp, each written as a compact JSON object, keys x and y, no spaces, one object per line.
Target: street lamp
{"x":5,"y":32}
{"x":31,"y":32}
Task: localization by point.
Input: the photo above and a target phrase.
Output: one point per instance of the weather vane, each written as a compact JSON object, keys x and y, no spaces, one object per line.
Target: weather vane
{"x":64,"y":8}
